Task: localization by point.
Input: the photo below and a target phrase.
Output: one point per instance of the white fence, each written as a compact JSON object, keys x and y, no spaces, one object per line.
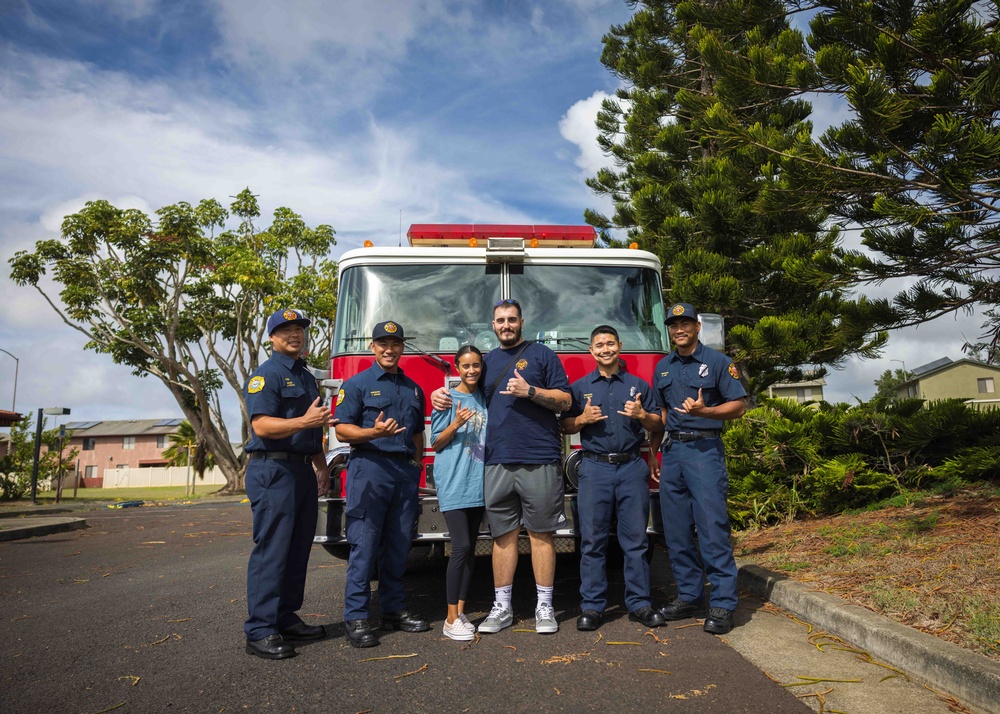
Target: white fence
{"x":160,"y":476}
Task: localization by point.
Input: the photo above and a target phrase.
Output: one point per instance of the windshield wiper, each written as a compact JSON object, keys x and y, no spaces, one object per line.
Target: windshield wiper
{"x":579,"y":340}
{"x":441,"y":363}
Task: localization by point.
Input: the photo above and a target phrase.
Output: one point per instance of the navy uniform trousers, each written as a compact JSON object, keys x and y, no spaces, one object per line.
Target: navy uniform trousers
{"x":605,"y":489}
{"x":381,"y":513}
{"x":283,"y":499}
{"x":694,"y":488}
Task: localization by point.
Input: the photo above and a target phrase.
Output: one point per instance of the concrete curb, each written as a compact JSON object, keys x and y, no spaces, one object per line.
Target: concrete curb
{"x":967,"y":676}
{"x":38,"y":526}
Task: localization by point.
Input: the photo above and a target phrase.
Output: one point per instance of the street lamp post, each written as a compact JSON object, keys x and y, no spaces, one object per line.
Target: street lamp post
{"x":53,"y":411}
{"x":902,"y":363}
{"x":17,"y":365}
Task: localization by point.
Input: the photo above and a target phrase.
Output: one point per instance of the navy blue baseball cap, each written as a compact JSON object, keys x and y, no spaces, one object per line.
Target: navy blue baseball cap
{"x":388,"y":329}
{"x":283,"y":317}
{"x":679,"y":310}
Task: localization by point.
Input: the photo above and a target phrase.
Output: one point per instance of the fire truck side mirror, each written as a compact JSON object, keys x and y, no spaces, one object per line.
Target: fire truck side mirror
{"x":713,"y":332}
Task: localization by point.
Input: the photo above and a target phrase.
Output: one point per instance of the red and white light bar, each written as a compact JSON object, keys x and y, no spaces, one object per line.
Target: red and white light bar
{"x":472,"y":234}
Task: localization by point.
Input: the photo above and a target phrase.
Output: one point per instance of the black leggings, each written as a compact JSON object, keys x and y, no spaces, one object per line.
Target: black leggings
{"x":463,"y":527}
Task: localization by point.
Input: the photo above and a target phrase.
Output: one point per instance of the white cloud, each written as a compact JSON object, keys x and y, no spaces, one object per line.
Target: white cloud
{"x":144,"y":146}
{"x":262,"y":31}
{"x":578,"y":126}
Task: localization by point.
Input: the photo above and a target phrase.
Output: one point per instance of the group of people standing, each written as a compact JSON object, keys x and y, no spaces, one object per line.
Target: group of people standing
{"x":497,"y":436}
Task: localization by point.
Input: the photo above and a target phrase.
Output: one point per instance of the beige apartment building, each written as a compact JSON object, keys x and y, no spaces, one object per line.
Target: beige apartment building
{"x":806,"y":391}
{"x":975,"y":382}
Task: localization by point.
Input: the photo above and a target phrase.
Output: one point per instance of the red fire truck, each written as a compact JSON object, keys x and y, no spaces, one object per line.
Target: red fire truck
{"x":442,"y":288}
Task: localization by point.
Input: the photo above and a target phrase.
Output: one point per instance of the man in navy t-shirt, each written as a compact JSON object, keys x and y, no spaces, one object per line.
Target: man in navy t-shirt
{"x":525,"y":385}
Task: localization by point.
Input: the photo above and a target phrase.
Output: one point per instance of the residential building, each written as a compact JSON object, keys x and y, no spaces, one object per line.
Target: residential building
{"x":810,"y":390}
{"x":7,"y":419}
{"x":119,"y":445}
{"x":975,"y":382}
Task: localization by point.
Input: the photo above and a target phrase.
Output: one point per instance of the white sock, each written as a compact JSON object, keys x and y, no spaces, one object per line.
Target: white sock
{"x":502,"y":595}
{"x":544,"y":595}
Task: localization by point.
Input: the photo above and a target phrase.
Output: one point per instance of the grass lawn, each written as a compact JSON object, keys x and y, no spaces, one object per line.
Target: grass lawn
{"x":92,"y":495}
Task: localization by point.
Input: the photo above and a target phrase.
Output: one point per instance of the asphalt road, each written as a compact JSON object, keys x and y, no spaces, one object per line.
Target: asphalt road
{"x":143,"y":612}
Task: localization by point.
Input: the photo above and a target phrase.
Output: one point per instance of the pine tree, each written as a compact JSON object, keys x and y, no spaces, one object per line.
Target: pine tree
{"x":918,"y":163}
{"x":778,"y":275}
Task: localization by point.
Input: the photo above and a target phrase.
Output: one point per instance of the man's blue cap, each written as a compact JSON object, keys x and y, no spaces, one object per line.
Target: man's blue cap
{"x":388,"y":329}
{"x":679,"y":310}
{"x":283,"y":317}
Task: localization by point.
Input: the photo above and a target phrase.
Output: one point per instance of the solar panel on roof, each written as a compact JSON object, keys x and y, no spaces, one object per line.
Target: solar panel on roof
{"x":82,"y":424}
{"x":168,"y":422}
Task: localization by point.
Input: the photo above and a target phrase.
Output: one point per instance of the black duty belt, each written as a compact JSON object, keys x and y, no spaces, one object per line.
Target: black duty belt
{"x":692,"y":435}
{"x":622,"y":458}
{"x":398,"y":455}
{"x":281,"y":456}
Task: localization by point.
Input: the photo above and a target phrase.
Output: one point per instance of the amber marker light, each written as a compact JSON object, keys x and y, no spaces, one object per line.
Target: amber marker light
{"x":368,"y":244}
{"x":473,"y":242}
{"x":633,"y":246}
{"x":533,"y":243}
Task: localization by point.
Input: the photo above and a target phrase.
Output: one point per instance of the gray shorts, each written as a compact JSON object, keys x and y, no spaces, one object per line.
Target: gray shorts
{"x":528,"y":494}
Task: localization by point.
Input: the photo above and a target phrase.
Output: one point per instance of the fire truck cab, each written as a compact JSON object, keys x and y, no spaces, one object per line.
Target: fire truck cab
{"x":442,"y":288}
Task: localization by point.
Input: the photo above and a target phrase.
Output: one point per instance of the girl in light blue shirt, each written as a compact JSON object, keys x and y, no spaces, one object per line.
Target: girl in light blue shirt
{"x":458,"y":437}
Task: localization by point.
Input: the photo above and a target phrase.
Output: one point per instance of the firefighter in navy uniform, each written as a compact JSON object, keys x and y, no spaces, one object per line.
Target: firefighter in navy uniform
{"x":697,"y":388}
{"x":381,"y":415}
{"x":286,"y":472}
{"x":608,"y":410}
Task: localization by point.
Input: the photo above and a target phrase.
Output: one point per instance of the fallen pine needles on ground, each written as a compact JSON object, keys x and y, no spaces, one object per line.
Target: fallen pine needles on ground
{"x":937,"y":563}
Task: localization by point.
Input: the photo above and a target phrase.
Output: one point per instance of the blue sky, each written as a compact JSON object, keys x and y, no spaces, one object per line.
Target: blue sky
{"x":350,"y":113}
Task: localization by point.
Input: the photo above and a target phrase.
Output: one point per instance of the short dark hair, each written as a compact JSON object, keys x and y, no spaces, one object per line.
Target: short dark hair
{"x":508,"y":302}
{"x":605,"y":330}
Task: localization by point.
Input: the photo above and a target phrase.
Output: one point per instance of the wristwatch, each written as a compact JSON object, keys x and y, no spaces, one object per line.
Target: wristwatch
{"x":531,"y":392}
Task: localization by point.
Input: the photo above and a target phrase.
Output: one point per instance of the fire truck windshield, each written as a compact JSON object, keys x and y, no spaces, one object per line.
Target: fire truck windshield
{"x":443,"y":306}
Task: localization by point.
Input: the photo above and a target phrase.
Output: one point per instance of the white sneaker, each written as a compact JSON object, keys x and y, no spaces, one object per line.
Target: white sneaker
{"x":467,"y":621}
{"x":545,"y":619}
{"x":459,"y":630}
{"x":499,"y":618}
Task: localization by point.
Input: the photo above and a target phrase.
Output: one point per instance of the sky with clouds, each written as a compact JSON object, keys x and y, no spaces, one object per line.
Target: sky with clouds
{"x":362,"y":115}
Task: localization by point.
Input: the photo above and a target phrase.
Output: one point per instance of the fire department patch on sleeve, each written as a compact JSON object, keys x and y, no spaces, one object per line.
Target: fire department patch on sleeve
{"x":255,"y":385}
{"x":340,"y":397}
{"x":521,"y":363}
{"x":733,"y":372}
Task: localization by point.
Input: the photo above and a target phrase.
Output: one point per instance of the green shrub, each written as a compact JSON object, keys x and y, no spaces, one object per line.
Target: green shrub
{"x":786,"y":459}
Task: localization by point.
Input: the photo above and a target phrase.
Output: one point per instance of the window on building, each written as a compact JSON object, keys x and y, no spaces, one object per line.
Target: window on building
{"x":803,"y":394}
{"x":986,"y":385}
{"x":162,"y":442}
{"x":121,"y":466}
{"x":128,"y":442}
{"x":88,"y":443}
{"x":90,"y":472}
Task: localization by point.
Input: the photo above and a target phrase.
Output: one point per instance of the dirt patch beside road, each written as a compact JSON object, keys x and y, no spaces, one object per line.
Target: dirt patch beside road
{"x":933,"y":565}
